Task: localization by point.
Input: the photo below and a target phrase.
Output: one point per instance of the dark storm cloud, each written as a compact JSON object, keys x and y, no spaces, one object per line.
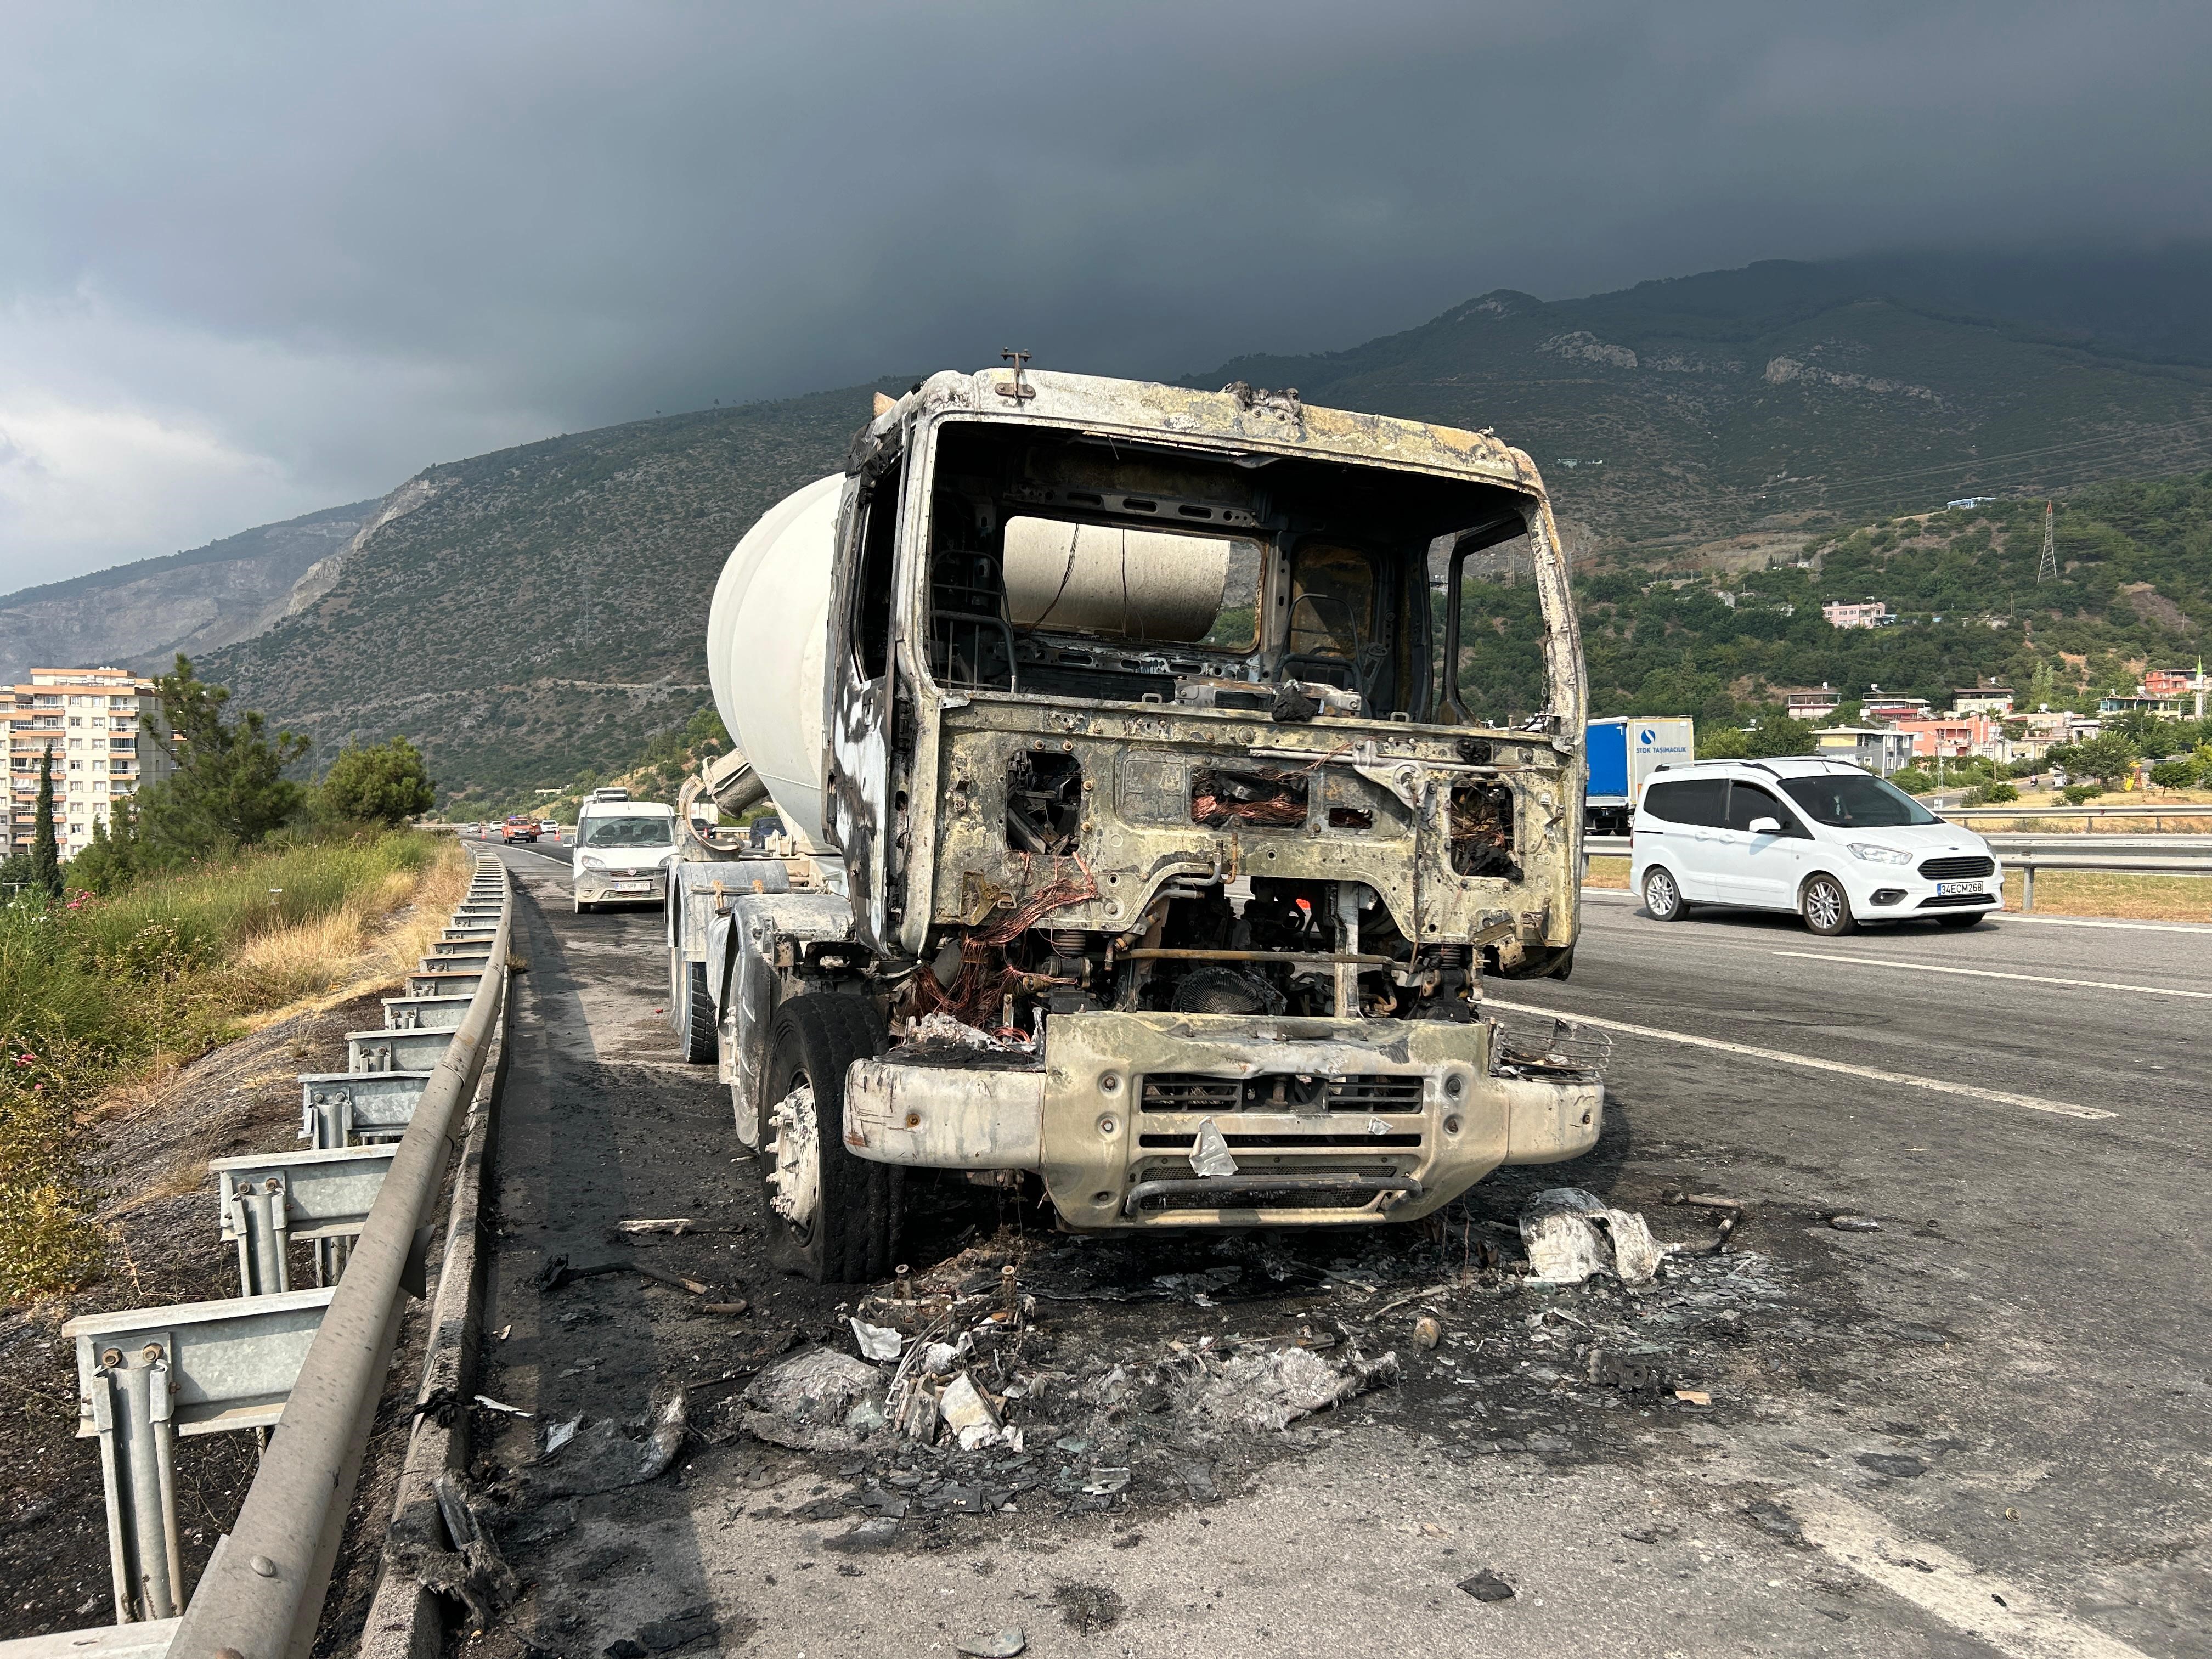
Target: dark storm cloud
{"x":260,"y":259}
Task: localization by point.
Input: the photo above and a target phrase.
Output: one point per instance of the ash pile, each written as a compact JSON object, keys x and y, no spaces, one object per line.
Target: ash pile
{"x":1058,"y":1375}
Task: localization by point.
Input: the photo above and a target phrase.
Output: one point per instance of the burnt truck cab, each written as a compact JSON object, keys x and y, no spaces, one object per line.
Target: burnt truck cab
{"x":1145,"y":762}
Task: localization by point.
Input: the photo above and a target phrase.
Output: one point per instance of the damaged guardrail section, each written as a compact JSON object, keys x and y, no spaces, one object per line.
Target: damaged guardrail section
{"x":263,"y":1593}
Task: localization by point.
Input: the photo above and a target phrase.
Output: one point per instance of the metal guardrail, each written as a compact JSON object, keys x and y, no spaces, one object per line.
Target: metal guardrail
{"x":2187,"y":856}
{"x":309,"y":1364}
{"x":262,"y":1596}
{"x":2180,"y":810}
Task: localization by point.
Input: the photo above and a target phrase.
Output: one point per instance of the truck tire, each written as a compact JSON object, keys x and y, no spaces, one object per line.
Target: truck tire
{"x":832,"y":1216}
{"x":696,"y":1031}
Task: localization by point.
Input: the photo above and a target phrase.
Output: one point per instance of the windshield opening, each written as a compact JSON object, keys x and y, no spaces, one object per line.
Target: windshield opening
{"x":630,"y":832}
{"x":1855,"y":800}
{"x":1076,"y":565}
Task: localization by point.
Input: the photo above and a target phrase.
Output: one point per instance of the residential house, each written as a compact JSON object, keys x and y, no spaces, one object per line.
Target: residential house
{"x":1951,"y":736}
{"x":1872,"y":613}
{"x":1877,"y":748}
{"x":1805,"y":703}
{"x":1981,"y":700}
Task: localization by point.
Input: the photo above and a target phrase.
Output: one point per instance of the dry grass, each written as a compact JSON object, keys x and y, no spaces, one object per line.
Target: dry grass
{"x":371,"y":942}
{"x":2129,"y":898}
{"x":1607,"y":872}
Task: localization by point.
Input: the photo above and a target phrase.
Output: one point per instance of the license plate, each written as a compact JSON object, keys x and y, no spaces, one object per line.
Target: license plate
{"x":1945,"y":888}
{"x":647,"y":887}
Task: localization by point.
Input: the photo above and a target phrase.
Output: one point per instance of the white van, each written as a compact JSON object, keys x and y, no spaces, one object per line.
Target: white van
{"x":622,"y":851}
{"x":1824,"y":838}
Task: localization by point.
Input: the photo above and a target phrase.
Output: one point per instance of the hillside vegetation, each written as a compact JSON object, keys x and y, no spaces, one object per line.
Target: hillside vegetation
{"x":99,"y":990}
{"x":540,"y":610}
{"x":2135,"y":589}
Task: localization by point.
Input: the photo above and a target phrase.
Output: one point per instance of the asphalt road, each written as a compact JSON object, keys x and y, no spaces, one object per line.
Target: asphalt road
{"x":1980,"y":1429}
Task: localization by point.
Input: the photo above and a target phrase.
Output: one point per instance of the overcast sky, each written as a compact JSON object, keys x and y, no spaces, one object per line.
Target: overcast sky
{"x":255,"y":260}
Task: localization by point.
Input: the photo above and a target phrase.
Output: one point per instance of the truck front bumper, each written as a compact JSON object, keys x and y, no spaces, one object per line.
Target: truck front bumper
{"x":1328,"y":1122}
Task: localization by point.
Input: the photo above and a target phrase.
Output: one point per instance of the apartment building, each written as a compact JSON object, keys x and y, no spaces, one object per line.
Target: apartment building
{"x":90,"y":718}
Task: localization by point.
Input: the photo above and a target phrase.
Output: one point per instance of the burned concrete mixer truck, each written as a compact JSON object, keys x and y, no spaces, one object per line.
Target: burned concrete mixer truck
{"x":1142,"y":850}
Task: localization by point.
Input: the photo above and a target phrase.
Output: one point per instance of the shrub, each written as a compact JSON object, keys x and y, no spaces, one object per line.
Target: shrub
{"x":2073,"y":794}
{"x":1912,"y":780}
{"x":1989,"y":794}
{"x":385,"y":785}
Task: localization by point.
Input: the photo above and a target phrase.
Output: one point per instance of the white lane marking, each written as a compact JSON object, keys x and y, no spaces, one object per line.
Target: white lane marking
{"x":1991,"y":973}
{"x":2011,"y":916}
{"x":1873,"y":1074}
{"x":2013,"y":1621}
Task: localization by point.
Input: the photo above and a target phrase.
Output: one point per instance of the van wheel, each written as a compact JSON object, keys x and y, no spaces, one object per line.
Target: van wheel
{"x":833,"y":1216}
{"x":697,"y":1028}
{"x":1662,"y":899}
{"x":1825,"y":907}
{"x":584,"y":908}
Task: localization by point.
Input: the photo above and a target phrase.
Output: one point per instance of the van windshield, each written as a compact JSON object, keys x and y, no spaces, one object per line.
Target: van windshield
{"x":639,"y":831}
{"x":1853,"y":800}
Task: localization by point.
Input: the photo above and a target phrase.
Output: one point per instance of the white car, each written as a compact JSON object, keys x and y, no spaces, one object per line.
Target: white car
{"x":1825,"y":839}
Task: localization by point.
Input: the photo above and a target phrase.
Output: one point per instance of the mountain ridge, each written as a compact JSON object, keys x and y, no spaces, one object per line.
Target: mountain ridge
{"x":541,"y":608}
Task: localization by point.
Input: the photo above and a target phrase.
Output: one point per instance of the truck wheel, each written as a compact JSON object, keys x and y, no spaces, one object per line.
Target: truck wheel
{"x":1825,"y":907}
{"x":1662,"y":899}
{"x":832,"y":1216}
{"x":697,"y":1030}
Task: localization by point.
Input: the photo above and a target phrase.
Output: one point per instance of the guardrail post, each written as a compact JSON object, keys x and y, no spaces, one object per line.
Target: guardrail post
{"x":256,"y":1218}
{"x":129,"y":1406}
{"x":2026,"y":887}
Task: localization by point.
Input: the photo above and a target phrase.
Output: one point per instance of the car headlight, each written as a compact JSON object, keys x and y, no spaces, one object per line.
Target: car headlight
{"x":1873,"y":855}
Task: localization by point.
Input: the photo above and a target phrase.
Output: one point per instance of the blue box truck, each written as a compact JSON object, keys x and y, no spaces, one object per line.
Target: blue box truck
{"x":1623,"y":751}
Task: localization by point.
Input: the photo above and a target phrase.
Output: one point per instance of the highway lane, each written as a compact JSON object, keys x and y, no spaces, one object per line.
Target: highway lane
{"x":2021,"y":1349}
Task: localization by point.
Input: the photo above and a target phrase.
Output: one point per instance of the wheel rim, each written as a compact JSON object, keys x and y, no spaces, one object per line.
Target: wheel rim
{"x":1824,"y":904}
{"x":1659,"y":893}
{"x":795,"y":1172}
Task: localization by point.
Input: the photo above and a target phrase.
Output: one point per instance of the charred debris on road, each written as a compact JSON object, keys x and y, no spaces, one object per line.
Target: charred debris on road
{"x":1051,"y":1376}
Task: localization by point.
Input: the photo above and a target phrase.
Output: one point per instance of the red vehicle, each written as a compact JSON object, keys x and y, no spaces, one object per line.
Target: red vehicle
{"x":518,"y":828}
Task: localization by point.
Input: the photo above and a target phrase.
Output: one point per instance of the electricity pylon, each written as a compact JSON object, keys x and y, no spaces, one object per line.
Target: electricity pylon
{"x":2047,"y":569}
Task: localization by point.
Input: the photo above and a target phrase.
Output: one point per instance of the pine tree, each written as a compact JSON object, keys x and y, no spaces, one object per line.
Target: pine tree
{"x":46,"y":852}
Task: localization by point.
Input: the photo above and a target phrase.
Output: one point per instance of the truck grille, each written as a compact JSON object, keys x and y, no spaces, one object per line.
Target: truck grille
{"x":1958,"y":869}
{"x":1365,"y":1092}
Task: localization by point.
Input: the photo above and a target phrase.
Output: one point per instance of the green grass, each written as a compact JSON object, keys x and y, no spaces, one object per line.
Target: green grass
{"x":96,"y":989}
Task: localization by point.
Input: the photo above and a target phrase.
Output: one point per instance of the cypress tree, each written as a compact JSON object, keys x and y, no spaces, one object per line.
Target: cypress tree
{"x":46,"y":852}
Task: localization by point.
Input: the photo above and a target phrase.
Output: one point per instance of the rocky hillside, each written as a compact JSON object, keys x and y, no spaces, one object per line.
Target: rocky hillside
{"x":1795,"y":396}
{"x":140,"y":615}
{"x":528,"y":614}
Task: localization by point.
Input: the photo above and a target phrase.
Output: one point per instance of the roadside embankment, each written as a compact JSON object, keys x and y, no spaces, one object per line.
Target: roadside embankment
{"x":103,"y":999}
